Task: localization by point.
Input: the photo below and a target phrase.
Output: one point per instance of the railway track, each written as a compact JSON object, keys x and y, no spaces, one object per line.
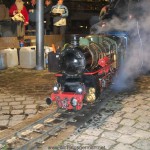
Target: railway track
{"x":35,"y":134}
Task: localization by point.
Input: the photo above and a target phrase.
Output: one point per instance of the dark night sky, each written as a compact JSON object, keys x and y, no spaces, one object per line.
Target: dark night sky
{"x":9,"y":2}
{"x":120,"y":7}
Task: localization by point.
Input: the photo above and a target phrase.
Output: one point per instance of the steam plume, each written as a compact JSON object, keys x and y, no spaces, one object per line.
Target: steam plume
{"x":137,"y":58}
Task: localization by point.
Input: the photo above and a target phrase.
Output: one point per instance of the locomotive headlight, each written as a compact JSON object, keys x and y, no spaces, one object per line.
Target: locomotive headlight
{"x":75,"y":60}
{"x":56,"y":88}
{"x":74,"y":102}
{"x":79,"y":90}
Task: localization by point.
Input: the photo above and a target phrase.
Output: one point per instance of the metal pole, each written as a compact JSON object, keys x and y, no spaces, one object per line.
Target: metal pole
{"x":40,"y":35}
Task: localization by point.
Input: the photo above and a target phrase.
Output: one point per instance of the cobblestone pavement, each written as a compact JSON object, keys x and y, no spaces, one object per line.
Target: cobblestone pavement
{"x":22,"y":94}
{"x":128,"y":128}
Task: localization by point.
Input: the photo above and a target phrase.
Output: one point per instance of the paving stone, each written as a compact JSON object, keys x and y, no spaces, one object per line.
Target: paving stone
{"x":6,"y":107}
{"x":110,"y":126}
{"x":3,"y":103}
{"x":9,"y":99}
{"x":145,"y":119}
{"x":30,"y":111}
{"x":106,"y":143}
{"x":147,"y":96}
{"x":39,"y":102}
{"x":148,"y":114}
{"x":5,"y":112}
{"x":119,"y":114}
{"x":127,"y":122}
{"x":127,"y":139}
{"x":141,"y":125}
{"x":122,"y":146}
{"x":1,"y":146}
{"x":129,"y":99}
{"x":4,"y":96}
{"x":113,"y":106}
{"x":142,"y":144}
{"x":142,"y":112}
{"x":30,"y":98}
{"x":114,"y":119}
{"x":18,"y":107}
{"x":28,"y":102}
{"x":140,"y":102}
{"x":4,"y":122}
{"x":139,"y":97}
{"x":147,"y":99}
{"x":16,"y":96}
{"x":14,"y":103}
{"x":86,"y":139}
{"x":18,"y":117}
{"x":30,"y":116}
{"x":132,"y":104}
{"x":148,"y":105}
{"x":143,"y":107}
{"x":32,"y":106}
{"x":20,"y":98}
{"x":1,"y":99}
{"x":142,"y":134}
{"x":14,"y":122}
{"x":93,"y":131}
{"x":129,"y":109}
{"x":127,"y":130}
{"x":112,"y":135}
{"x":72,"y":138}
{"x":17,"y":112}
{"x":4,"y":117}
{"x":131,"y":116}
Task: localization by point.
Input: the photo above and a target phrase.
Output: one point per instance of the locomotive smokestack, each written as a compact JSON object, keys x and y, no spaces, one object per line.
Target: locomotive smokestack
{"x":75,"y":40}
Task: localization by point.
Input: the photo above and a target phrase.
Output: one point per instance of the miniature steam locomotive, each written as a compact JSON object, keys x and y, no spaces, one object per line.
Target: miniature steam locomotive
{"x":87,"y":66}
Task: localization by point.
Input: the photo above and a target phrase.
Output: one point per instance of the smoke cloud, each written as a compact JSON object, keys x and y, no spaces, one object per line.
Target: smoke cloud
{"x":137,"y":55}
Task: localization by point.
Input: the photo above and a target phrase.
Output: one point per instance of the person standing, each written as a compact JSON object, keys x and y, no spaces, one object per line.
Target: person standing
{"x":20,"y":10}
{"x":32,"y":6}
{"x":103,"y":11}
{"x":4,"y":11}
{"x":32,"y":15}
{"x":47,"y":16}
{"x":3,"y":16}
{"x":19,"y":13}
{"x":60,"y":13}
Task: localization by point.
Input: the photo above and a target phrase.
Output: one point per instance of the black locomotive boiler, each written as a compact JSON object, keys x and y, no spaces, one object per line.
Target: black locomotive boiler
{"x":87,"y":66}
